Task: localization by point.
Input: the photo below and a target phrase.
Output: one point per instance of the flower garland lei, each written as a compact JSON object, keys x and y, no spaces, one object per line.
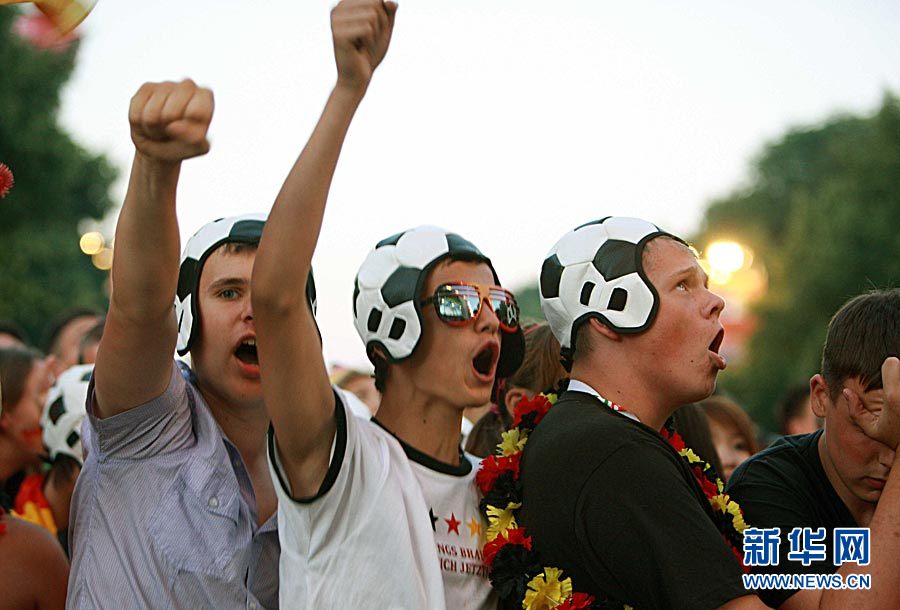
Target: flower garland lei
{"x":516,"y":571}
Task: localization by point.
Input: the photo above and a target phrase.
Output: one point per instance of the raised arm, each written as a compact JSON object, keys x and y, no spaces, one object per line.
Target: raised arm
{"x":296,"y":389}
{"x":169,"y":122}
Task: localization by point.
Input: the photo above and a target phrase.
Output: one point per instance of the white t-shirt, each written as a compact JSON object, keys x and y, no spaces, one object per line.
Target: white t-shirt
{"x":390,"y":528}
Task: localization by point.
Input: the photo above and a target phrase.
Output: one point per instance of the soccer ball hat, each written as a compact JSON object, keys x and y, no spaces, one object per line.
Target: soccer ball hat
{"x":243,"y":229}
{"x":64,"y":411}
{"x":388,"y":289}
{"x":596,"y":271}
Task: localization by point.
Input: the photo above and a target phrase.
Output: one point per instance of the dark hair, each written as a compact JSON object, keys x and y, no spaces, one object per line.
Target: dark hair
{"x":237,"y":247}
{"x":693,"y":426}
{"x":540,"y":369}
{"x":13,"y":330}
{"x":861,"y":335}
{"x":15,"y":366}
{"x":381,"y":372}
{"x":64,"y":320}
{"x":791,"y":405}
{"x":64,"y":471}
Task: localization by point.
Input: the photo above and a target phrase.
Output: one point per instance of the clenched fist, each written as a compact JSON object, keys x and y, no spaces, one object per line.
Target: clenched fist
{"x":361,"y":30}
{"x":169,"y":121}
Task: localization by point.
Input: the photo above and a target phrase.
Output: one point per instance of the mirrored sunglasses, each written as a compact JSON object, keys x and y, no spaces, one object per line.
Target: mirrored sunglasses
{"x":459,"y":303}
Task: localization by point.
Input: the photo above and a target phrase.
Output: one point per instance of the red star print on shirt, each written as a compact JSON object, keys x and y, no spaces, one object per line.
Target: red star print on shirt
{"x":453,"y":524}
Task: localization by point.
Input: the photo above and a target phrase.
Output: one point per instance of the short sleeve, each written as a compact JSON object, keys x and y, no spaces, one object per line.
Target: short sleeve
{"x":335,"y":462}
{"x":160,"y":426}
{"x":648,"y":540}
{"x":772,"y":497}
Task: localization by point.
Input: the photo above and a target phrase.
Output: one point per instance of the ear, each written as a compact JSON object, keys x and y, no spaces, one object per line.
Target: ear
{"x":819,"y":398}
{"x":512,"y":398}
{"x":604,"y":330}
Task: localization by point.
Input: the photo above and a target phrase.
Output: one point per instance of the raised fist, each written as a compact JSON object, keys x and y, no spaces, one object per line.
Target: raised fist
{"x":169,"y":121}
{"x":361,"y":30}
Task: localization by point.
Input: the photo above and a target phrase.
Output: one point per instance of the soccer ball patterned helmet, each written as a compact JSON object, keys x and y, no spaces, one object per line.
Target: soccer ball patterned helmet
{"x":243,"y":229}
{"x":596,"y":271}
{"x":388,"y":289}
{"x":65,"y":410}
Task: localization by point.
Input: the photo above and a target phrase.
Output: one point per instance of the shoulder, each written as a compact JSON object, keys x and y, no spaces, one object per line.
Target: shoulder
{"x":29,"y":544}
{"x":789,"y":462}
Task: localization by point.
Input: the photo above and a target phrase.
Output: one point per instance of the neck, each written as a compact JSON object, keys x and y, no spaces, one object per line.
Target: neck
{"x":244,"y":424}
{"x":619,"y":385}
{"x":473,"y":414}
{"x":421,"y":421}
{"x":862,"y":511}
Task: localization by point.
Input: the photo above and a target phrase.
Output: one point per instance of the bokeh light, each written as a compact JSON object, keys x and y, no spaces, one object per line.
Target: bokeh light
{"x":726,"y":256}
{"x":103,"y":259}
{"x":91,"y":243}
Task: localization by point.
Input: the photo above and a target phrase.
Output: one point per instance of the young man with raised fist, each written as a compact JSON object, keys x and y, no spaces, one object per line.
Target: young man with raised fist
{"x":381,"y":513}
{"x":175,"y":507}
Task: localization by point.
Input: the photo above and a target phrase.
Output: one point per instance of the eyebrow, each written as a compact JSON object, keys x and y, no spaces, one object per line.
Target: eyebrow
{"x":694,"y":269}
{"x":227,"y":282}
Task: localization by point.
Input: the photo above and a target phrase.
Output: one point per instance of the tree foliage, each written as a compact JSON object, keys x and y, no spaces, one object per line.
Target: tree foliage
{"x":58,"y":184}
{"x":823,"y":212}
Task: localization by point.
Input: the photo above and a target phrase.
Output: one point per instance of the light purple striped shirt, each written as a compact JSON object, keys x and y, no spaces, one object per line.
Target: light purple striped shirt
{"x":164,"y":514}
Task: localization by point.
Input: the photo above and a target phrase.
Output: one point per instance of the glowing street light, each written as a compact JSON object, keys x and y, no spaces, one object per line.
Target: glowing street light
{"x":91,"y":243}
{"x":727,"y":256}
{"x":103,"y":259}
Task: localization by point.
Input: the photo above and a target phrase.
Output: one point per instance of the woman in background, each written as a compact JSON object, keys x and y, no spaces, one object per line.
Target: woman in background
{"x":732,"y":432}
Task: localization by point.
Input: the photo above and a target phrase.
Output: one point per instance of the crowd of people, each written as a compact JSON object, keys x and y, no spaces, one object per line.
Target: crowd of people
{"x":208,"y":458}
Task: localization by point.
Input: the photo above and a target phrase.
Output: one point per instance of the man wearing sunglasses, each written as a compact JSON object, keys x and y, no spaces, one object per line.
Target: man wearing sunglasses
{"x":382,"y":513}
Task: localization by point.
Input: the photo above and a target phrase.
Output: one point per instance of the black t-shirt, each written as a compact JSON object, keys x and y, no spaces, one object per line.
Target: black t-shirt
{"x":785,"y":486}
{"x":610,"y":502}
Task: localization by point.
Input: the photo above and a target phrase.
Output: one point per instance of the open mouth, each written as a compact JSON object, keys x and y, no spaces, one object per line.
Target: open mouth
{"x":718,"y":360}
{"x":246,"y":352}
{"x":484,"y":362}
{"x":717,"y":342}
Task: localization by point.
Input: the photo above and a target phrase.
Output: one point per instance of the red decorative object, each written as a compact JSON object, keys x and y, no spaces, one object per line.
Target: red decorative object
{"x":578,"y":601}
{"x":493,"y":466}
{"x":539,"y":405}
{"x":6,"y":180}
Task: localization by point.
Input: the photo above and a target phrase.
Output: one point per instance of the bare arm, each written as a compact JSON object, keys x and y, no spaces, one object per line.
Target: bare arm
{"x":296,"y":389}
{"x":169,"y":122}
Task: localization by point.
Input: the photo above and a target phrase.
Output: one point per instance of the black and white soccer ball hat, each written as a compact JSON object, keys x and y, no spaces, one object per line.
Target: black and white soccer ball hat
{"x":64,"y":411}
{"x":243,"y":229}
{"x":596,"y":271}
{"x":388,"y":289}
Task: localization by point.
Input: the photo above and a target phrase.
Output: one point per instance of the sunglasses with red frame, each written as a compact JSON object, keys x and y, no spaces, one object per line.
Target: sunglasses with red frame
{"x":458,"y":303}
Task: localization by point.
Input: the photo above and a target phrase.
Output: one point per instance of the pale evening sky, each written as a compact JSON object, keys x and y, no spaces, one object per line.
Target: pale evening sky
{"x":508,"y":122}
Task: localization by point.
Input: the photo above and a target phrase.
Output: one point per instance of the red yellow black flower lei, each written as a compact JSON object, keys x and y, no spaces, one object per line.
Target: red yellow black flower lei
{"x":516,"y":572}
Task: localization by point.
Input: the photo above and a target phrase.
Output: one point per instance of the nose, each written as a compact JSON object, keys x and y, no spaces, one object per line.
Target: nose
{"x":886,"y":456}
{"x":247,"y":309}
{"x":487,"y":319}
{"x":715,"y":305}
